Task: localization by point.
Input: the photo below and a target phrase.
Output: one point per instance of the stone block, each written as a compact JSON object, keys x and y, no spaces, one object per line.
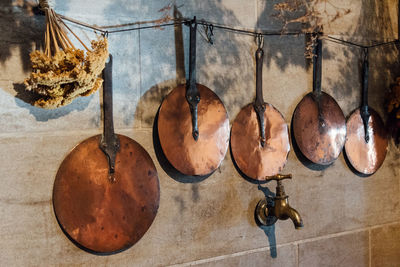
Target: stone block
{"x":286,"y":256}
{"x":385,"y":246}
{"x":345,"y":250}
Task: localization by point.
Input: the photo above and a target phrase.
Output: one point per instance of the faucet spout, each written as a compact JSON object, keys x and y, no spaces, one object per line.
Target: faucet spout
{"x":294,"y":216}
{"x":284,"y":211}
{"x":268,"y":213}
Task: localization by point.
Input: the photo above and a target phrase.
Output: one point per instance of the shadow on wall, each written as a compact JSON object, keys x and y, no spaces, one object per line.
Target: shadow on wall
{"x":20,"y":28}
{"x":226,"y":51}
{"x":268,"y":20}
{"x":374,"y":24}
{"x":232,"y":58}
{"x":269,"y":231}
{"x":227,"y":67}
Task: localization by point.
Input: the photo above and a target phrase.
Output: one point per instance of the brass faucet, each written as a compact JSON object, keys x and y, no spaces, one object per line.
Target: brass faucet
{"x":268,"y":213}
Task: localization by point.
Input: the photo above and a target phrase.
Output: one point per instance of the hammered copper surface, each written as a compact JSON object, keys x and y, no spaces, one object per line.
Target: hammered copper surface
{"x":366,"y":157}
{"x":253,"y":160}
{"x":101,"y":216}
{"x":320,"y":141}
{"x":188,"y":156}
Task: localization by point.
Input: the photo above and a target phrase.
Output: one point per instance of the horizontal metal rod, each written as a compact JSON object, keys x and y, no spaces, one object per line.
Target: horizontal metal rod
{"x":103,"y":30}
{"x":345,"y":42}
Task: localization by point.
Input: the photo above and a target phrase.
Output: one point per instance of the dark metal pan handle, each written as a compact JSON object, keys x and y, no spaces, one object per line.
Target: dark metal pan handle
{"x":259,"y":105}
{"x":317,"y":74}
{"x":192,"y":93}
{"x":317,"y":67}
{"x":109,"y":143}
{"x":364,"y":107}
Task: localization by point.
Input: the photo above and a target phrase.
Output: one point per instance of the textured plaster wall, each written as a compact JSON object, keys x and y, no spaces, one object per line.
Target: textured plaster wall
{"x":349,"y":220}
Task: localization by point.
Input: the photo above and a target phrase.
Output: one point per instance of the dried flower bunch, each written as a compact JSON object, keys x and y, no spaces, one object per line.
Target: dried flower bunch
{"x":62,"y":72}
{"x":311,"y":14}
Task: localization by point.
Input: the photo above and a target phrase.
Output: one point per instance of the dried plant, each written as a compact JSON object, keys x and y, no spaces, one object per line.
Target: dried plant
{"x":61,"y":73}
{"x":311,"y":14}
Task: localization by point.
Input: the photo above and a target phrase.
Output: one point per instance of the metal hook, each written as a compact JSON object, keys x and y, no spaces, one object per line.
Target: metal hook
{"x":208,"y":33}
{"x":260,"y":40}
{"x":365,"y":53}
{"x":193,"y":22}
{"x":105,"y":34}
{"x":315,"y":40}
{"x":209,"y":29}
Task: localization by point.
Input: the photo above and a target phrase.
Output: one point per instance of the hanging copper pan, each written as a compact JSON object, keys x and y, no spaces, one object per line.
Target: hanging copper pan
{"x":260,"y":136}
{"x":193,"y":125}
{"x":319,"y":125}
{"x":106,"y":192}
{"x":366,"y":141}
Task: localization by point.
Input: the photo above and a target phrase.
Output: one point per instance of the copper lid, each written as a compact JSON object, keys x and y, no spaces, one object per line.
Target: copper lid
{"x":319,"y":138}
{"x":101,"y":216}
{"x":187,"y":155}
{"x":366,"y":157}
{"x":253,"y":160}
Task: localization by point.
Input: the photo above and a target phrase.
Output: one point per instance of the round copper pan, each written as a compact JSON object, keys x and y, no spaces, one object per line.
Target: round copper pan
{"x":253,"y":160}
{"x":319,"y":139}
{"x":101,"y":216}
{"x":365,"y":157}
{"x":187,"y":155}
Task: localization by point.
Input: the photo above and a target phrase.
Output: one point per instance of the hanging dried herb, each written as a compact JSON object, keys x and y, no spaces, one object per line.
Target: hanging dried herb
{"x":62,"y":72}
{"x":311,"y":14}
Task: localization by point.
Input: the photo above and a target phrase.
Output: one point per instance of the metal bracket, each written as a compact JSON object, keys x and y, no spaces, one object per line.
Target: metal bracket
{"x":263,"y":210}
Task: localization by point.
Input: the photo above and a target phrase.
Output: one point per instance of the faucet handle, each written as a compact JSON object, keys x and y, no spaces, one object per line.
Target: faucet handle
{"x":278,"y":177}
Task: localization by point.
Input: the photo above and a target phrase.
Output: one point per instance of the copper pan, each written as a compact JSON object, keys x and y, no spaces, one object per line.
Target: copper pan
{"x":319,"y":126}
{"x":193,"y":125}
{"x":106,"y":192}
{"x":260,"y":136}
{"x":366,"y":141}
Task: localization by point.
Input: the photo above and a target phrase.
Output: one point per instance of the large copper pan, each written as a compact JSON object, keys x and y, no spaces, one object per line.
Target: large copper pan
{"x":366,"y":141}
{"x":106,"y":192}
{"x":193,"y":125}
{"x":319,"y":126}
{"x":260,"y":136}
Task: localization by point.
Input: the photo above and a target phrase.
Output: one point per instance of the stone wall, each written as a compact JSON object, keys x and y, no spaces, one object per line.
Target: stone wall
{"x":348,"y":220}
